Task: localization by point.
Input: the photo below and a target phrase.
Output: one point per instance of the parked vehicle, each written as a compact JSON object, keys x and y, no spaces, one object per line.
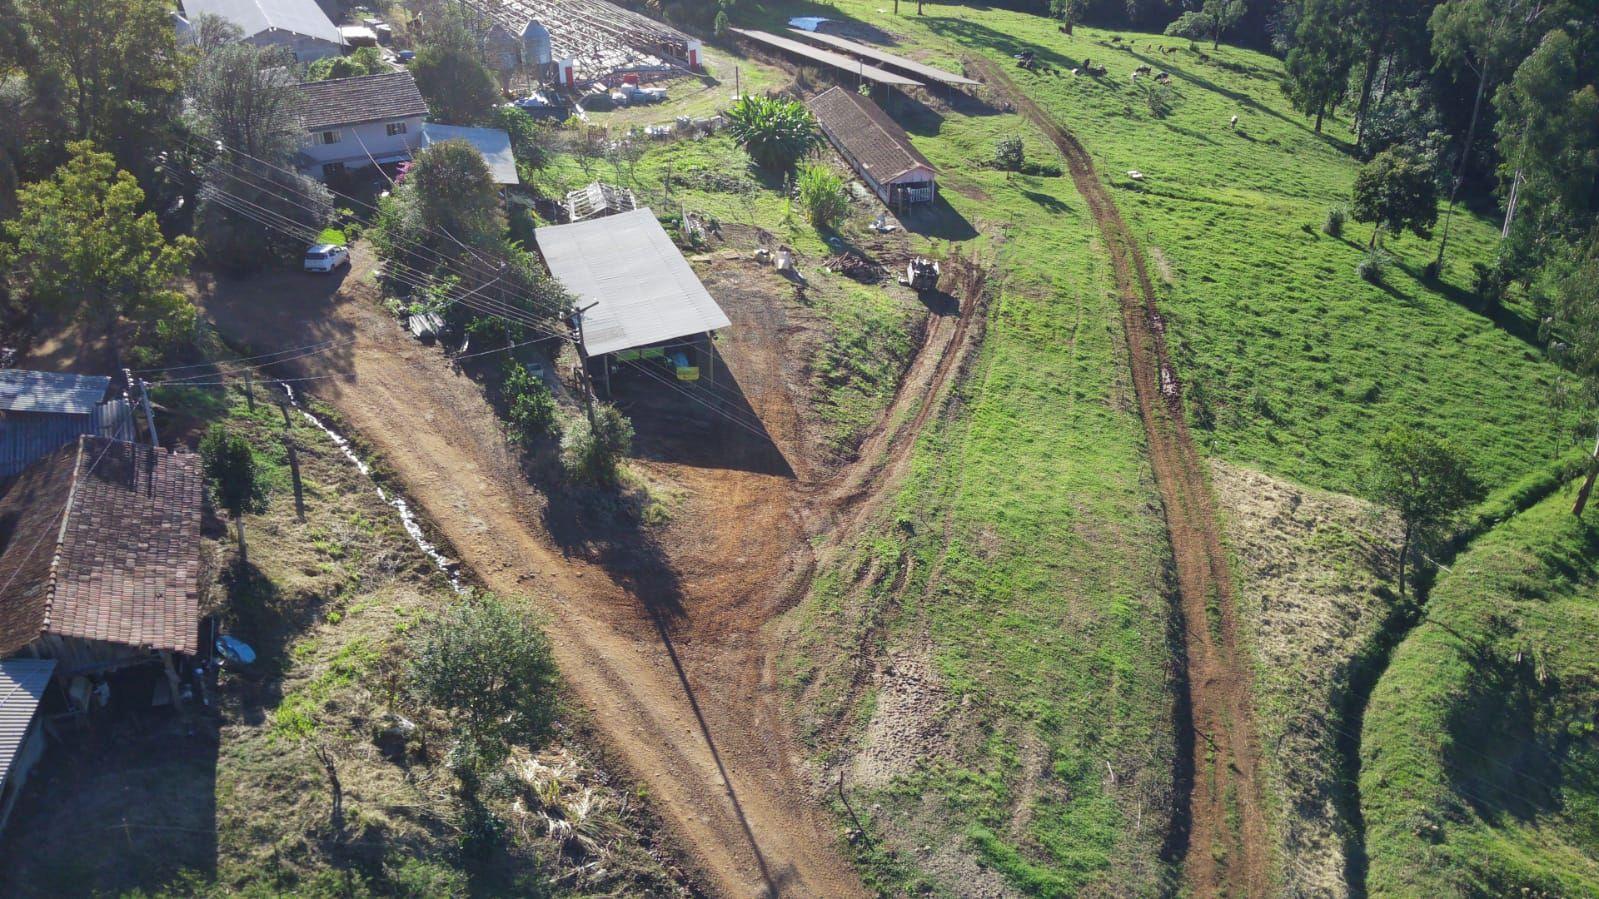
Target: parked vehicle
{"x":326,"y":257}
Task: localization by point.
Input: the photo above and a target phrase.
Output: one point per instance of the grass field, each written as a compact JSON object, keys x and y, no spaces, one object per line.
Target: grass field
{"x":1291,"y":362}
{"x":1480,"y":768}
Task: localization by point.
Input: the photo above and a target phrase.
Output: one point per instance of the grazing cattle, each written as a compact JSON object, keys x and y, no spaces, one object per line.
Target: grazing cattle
{"x":1142,"y":70}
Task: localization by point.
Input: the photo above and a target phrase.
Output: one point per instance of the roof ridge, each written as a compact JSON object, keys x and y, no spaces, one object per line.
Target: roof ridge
{"x":61,"y":534}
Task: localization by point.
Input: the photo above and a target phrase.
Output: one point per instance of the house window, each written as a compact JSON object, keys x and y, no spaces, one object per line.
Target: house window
{"x":396,"y":128}
{"x":332,"y":169}
{"x":330,"y":137}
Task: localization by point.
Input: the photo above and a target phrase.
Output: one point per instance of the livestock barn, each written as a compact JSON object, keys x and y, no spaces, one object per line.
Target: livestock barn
{"x":876,"y":147}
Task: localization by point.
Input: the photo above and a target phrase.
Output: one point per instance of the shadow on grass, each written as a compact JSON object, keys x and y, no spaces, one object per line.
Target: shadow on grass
{"x":938,"y":220}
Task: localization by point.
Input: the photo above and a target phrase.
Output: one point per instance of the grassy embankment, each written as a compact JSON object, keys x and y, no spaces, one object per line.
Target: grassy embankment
{"x":1480,"y":766}
{"x":234,"y":800}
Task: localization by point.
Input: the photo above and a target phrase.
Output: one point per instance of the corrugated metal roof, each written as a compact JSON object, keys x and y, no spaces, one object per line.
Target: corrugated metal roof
{"x":255,"y":16}
{"x":50,"y":391}
{"x":828,"y":57}
{"x":22,"y":683}
{"x":24,"y":439}
{"x":888,"y":59}
{"x":492,"y":143}
{"x":627,"y":264}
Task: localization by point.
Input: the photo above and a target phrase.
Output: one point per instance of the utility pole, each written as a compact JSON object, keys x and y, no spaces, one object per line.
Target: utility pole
{"x":149,"y":416}
{"x":583,"y":363}
{"x":249,"y":390}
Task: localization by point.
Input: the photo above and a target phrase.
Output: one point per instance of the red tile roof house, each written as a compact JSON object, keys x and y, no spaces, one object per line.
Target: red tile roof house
{"x":100,"y":559}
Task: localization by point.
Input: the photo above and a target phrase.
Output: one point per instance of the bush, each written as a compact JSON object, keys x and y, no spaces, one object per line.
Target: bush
{"x":721,"y":25}
{"x":775,"y":132}
{"x":1334,"y":224}
{"x":1192,"y":25}
{"x":488,"y":668}
{"x":1373,"y":267}
{"x":1158,"y":98}
{"x":1489,"y":283}
{"x":1009,"y":155}
{"x":529,"y":407}
{"x":823,"y":196}
{"x":592,"y":454}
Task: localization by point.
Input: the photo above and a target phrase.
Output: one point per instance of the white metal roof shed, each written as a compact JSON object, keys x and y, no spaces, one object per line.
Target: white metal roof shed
{"x":22,"y":683}
{"x":493,"y":144}
{"x":255,"y":16}
{"x":51,"y":391}
{"x":644,"y":290}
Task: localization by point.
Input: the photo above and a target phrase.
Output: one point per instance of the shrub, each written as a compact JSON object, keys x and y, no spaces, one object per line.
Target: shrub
{"x":823,"y":196}
{"x":488,"y":668}
{"x":1008,"y":154}
{"x":1334,"y":224}
{"x":529,"y":407}
{"x":1373,"y":266}
{"x":775,"y":132}
{"x":1158,"y":98}
{"x":1489,"y":282}
{"x":1192,"y":24}
{"x":592,"y":453}
{"x":721,"y":24}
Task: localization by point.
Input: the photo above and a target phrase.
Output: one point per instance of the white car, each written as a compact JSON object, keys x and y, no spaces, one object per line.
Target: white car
{"x":325,"y":257}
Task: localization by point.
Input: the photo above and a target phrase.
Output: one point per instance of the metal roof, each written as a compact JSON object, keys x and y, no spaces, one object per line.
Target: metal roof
{"x":255,"y":16}
{"x":828,"y":57}
{"x":493,"y":144}
{"x":22,"y":683}
{"x":644,"y":289}
{"x":888,"y":59}
{"x":864,"y":133}
{"x":25,"y":439}
{"x":50,"y":391}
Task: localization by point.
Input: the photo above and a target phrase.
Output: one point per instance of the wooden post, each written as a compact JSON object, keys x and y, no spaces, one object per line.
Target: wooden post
{"x":583,"y":364}
{"x":294,"y":474}
{"x":149,"y":416}
{"x":173,"y":683}
{"x":249,"y":390}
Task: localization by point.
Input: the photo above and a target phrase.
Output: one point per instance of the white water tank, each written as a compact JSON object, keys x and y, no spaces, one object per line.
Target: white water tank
{"x":536,"y":44}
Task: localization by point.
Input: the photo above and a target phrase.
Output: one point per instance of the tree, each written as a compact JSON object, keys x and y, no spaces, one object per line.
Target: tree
{"x":120,"y":63}
{"x":1009,"y":153}
{"x":245,"y":98}
{"x":1483,"y":36}
{"x":365,"y":61}
{"x":530,"y":408}
{"x":775,"y":132}
{"x":1223,"y":14}
{"x":1069,"y":12}
{"x":529,"y":140}
{"x":451,"y":76}
{"x":1548,"y":127}
{"x":1318,"y":65}
{"x":452,"y":197}
{"x":488,"y":668}
{"x":81,"y":245}
{"x":1427,"y":482}
{"x":1572,"y":332}
{"x":822,"y":195}
{"x":235,"y":480}
{"x":1396,"y":190}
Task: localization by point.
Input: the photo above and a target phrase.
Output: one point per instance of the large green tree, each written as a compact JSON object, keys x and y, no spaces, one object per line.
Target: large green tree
{"x":1569,"y":288}
{"x":1397,"y":190}
{"x":1548,"y":128}
{"x":234,"y":476}
{"x":81,"y":244}
{"x":450,"y":73}
{"x":1426,"y":481}
{"x":1317,"y":68}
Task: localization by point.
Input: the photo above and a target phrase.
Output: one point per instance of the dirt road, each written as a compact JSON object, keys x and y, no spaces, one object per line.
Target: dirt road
{"x":1226,"y":849}
{"x":657,"y":630}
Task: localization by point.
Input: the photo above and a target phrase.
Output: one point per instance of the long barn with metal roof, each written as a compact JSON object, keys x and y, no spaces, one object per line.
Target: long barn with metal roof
{"x":881,"y":57}
{"x":828,"y":58}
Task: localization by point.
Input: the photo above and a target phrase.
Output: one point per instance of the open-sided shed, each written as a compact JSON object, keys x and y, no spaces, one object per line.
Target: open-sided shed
{"x":639,"y":295}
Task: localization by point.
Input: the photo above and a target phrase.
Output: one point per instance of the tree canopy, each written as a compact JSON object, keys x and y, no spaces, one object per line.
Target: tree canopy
{"x":1397,"y":190}
{"x":775,"y":131}
{"x":1425,"y":480}
{"x":450,"y":74}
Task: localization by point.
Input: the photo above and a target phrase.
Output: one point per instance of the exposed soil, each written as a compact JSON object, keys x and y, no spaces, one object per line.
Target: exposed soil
{"x":1222,"y":835}
{"x":658,"y":629}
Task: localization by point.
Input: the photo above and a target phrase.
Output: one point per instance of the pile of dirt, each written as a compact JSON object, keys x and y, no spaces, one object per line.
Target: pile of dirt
{"x":908,"y":726}
{"x":855,"y":267}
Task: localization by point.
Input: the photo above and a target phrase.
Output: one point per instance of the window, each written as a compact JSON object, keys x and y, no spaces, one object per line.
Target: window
{"x":396,"y":128}
{"x":332,"y":169}
{"x":331,"y":137}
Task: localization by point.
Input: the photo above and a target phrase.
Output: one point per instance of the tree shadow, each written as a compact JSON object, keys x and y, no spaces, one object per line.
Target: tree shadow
{"x":938,"y":220}
{"x":1046,"y":202}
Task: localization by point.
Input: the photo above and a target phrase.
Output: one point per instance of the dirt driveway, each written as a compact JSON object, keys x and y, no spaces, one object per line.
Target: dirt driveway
{"x":658,"y":631}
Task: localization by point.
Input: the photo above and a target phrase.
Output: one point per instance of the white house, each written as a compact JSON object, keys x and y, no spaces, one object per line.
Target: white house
{"x":355,"y":122}
{"x":300,"y":25}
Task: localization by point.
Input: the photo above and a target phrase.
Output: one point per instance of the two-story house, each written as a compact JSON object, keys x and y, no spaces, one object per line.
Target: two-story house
{"x":362,"y":121}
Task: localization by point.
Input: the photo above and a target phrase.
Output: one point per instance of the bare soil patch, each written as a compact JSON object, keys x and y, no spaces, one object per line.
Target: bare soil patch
{"x":1310,"y":567}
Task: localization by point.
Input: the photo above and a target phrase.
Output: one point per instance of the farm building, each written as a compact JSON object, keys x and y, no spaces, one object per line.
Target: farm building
{"x":641,"y":301}
{"x":355,"y":122}
{"x":100,"y":558}
{"x":22,"y":686}
{"x":876,"y":147}
{"x":42,"y":411}
{"x":300,"y":25}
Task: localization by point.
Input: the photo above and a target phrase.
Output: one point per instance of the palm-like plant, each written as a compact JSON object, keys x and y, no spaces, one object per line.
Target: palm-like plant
{"x":775,"y":132}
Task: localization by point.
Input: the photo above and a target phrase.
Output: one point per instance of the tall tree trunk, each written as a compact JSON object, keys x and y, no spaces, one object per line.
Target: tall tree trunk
{"x":1404,"y":557}
{"x":1320,"y":110}
{"x":1373,"y":57}
{"x":1460,"y":167}
{"x":1587,"y":488}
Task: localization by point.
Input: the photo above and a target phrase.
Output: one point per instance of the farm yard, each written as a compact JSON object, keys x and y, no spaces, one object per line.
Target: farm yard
{"x":716,"y":458}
